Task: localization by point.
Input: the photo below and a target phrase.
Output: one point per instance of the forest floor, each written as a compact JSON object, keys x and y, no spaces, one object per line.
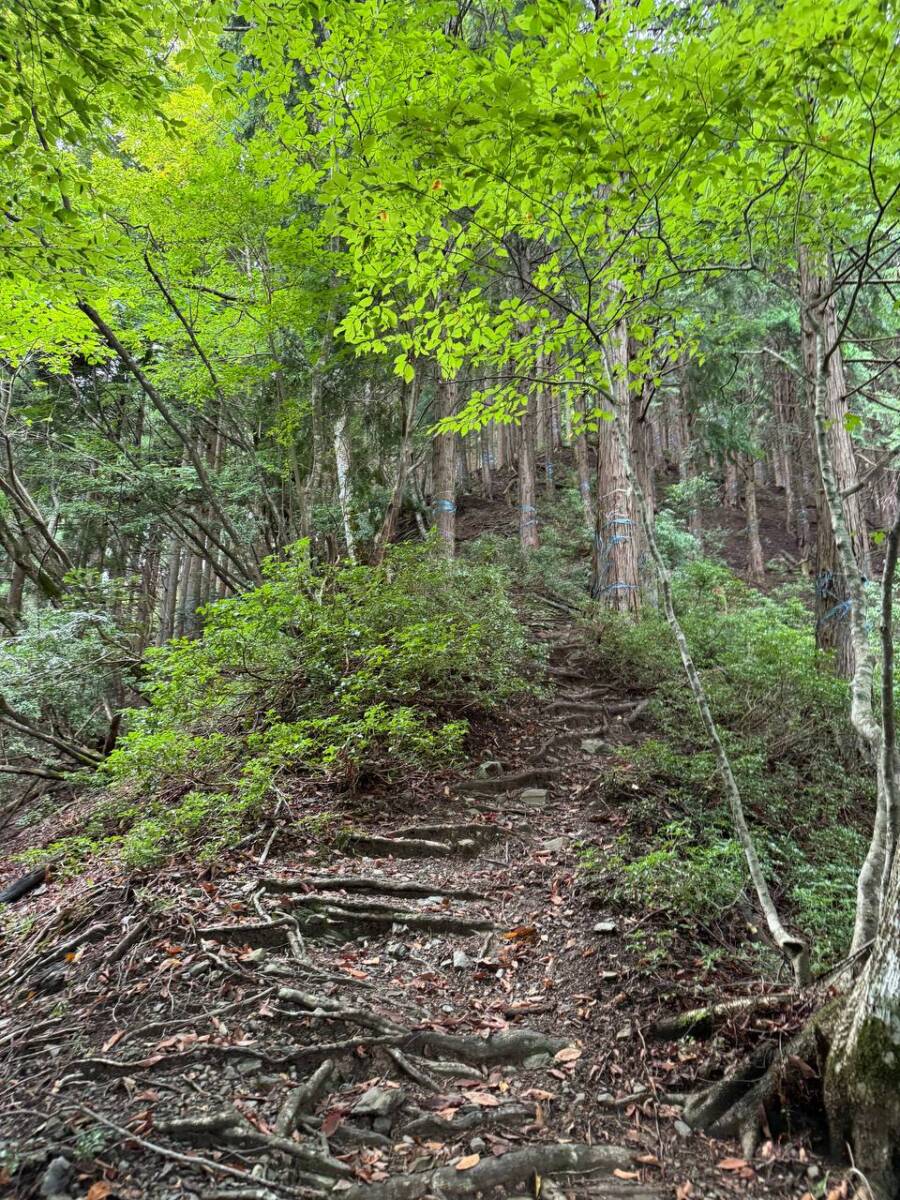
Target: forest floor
{"x":412,"y":993}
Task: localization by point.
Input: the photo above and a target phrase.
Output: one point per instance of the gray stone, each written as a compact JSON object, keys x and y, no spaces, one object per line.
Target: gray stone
{"x":378,"y":1102}
{"x":683,"y":1129}
{"x":534,"y":797}
{"x":608,"y":926}
{"x":537,"y":1060}
{"x":554,"y":845}
{"x":461,"y":960}
{"x":57,"y":1177}
{"x":383,"y":1124}
{"x":813,"y":1172}
{"x":478,"y":1145}
{"x":595,"y":746}
{"x":396,"y":950}
{"x":489,"y":769}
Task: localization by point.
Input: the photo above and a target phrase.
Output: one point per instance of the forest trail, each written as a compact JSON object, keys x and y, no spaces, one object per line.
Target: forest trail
{"x":432,"y":1006}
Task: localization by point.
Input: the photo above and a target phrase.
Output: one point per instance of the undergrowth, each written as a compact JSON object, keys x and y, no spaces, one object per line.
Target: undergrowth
{"x":783,"y":714}
{"x":349,"y":672}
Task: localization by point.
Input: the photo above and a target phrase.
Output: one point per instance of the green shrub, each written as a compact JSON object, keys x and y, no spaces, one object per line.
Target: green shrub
{"x":343,"y":671}
{"x":783,"y":717}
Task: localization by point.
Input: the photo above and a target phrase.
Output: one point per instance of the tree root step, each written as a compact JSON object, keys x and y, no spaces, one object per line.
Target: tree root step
{"x":374,"y":846}
{"x":369,"y":883}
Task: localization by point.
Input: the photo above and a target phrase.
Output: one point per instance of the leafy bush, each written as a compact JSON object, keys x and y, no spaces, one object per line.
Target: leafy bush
{"x":783,"y":716}
{"x":340,"y":670}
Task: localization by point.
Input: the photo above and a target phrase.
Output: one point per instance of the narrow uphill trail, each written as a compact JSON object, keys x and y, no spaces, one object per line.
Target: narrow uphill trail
{"x":430,"y":1007}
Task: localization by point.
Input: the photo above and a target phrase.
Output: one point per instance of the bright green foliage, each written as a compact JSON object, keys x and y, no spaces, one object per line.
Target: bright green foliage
{"x":348,"y":671}
{"x":808,"y":795}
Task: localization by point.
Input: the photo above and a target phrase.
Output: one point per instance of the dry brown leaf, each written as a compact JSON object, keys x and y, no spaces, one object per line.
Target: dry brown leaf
{"x":521,"y":933}
{"x":620,"y":1174}
{"x":732,"y":1164}
{"x":111,"y":1041}
{"x":568,"y":1054}
{"x":470,"y":1160}
{"x":483,"y":1100}
{"x":683,"y":1190}
{"x":99,"y":1190}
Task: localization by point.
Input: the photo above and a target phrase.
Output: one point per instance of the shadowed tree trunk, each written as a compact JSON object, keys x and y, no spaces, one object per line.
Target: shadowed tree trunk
{"x":756,"y":567}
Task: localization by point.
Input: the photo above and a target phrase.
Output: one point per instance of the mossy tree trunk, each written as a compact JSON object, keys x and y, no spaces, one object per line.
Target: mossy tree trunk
{"x":862,"y":1076}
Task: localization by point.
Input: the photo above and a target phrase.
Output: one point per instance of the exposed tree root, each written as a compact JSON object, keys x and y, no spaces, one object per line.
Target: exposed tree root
{"x":511,"y":783}
{"x":374,"y":846}
{"x":231,"y":1128}
{"x":301,"y":1099}
{"x":369,"y":883}
{"x":516,"y":1167}
{"x":446,"y":833}
{"x":430,"y":1125}
{"x":700,"y":1022}
{"x":354,"y":920}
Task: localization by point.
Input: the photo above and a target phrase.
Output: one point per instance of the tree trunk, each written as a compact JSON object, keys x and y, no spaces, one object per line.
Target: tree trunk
{"x":345,"y":483}
{"x":528,"y":520}
{"x":756,"y":567}
{"x":832,"y":585}
{"x":582,"y":460}
{"x":862,"y":1075}
{"x":444,"y":470}
{"x":616,"y":579}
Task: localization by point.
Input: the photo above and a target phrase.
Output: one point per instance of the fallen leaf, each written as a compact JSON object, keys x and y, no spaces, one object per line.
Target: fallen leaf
{"x":521,"y":933}
{"x":331,"y":1121}
{"x":620,"y":1174}
{"x":470,"y":1160}
{"x":110,"y":1042}
{"x":99,"y":1190}
{"x":568,"y":1054}
{"x":483,"y":1100}
{"x":683,"y":1190}
{"x":732,"y":1164}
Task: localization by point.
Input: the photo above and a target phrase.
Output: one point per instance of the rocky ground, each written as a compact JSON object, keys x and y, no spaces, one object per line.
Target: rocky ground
{"x":418,"y":998}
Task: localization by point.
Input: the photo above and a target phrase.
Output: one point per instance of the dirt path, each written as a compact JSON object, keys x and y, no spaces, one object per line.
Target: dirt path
{"x":432,"y":1008}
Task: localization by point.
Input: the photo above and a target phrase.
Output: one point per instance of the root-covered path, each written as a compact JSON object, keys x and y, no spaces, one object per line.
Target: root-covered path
{"x":429,"y":1008}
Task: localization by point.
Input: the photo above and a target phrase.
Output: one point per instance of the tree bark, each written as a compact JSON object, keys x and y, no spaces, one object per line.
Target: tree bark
{"x":616,"y":578}
{"x":756,"y":567}
{"x":833,"y":591}
{"x":444,"y":470}
{"x":528,"y":519}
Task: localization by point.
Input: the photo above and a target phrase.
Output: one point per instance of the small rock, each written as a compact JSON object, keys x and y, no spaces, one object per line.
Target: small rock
{"x":605,"y":1098}
{"x":554,"y":845}
{"x":461,"y":960}
{"x":536,"y":1060}
{"x":383,"y":1124}
{"x":534,"y":797}
{"x":249,"y":1066}
{"x":56,"y":1178}
{"x":477,"y":1145}
{"x":609,"y":976}
{"x":396,"y":950}
{"x":624,"y":1033}
{"x":683,"y":1129}
{"x":813,"y":1172}
{"x":608,"y":926}
{"x":489,"y":769}
{"x":378,"y":1102}
{"x":447,"y":1008}
{"x":256,"y":956}
{"x":595,"y":746}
